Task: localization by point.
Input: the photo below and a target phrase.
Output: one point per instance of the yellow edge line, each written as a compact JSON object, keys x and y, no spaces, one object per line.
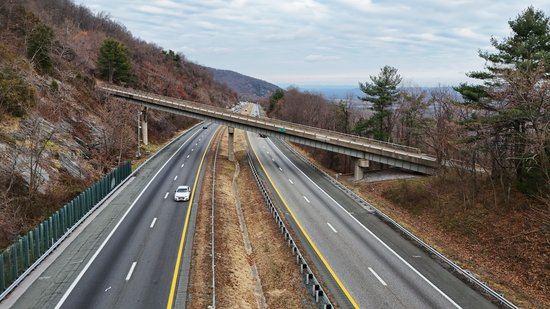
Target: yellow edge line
{"x":350,"y":298}
{"x":184,"y":231}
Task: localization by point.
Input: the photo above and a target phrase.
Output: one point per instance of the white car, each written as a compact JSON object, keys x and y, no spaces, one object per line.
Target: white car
{"x":182,"y":193}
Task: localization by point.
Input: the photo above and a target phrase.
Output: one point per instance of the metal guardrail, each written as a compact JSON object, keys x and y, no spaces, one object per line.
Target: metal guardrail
{"x":311,"y":281}
{"x":274,"y":124}
{"x":459,"y":272}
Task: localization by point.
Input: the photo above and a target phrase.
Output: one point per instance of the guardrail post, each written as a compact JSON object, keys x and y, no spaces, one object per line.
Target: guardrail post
{"x":319,"y":294}
{"x":315,"y":288}
{"x":309,"y":277}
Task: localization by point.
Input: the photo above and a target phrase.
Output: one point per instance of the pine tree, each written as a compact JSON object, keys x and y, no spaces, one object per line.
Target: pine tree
{"x":40,"y":43}
{"x":113,"y":61}
{"x":382,"y":92}
{"x":510,"y":107}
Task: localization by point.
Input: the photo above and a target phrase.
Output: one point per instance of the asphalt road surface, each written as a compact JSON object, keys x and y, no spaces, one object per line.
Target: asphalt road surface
{"x":138,"y":256}
{"x":364,"y":262}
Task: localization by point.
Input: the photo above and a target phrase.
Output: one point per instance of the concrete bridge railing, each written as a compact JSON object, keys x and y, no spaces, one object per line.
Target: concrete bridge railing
{"x":360,"y":147}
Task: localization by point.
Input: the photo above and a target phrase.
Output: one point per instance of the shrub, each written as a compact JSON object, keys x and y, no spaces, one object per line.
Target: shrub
{"x":16,"y":95}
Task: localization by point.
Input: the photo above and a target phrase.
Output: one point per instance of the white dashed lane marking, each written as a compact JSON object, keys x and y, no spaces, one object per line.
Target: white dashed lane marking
{"x":377,"y":277}
{"x":332,"y":227}
{"x":131,"y":271}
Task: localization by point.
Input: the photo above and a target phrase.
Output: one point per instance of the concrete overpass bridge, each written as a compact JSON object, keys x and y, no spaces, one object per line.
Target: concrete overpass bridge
{"x":361,"y":148}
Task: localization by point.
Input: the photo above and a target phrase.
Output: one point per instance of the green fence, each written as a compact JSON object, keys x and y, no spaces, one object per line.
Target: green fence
{"x":17,"y":258}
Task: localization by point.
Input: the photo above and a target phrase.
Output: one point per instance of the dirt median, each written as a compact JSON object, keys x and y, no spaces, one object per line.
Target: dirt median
{"x":270,"y":263}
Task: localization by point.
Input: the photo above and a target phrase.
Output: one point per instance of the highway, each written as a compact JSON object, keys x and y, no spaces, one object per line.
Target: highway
{"x":370,"y":264}
{"x":137,"y":264}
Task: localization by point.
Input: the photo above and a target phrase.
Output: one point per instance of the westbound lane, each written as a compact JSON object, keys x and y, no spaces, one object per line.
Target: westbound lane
{"x":135,"y":268}
{"x":370,"y":267}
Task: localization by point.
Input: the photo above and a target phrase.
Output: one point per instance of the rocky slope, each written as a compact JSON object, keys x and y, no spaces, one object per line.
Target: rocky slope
{"x":57,"y":134}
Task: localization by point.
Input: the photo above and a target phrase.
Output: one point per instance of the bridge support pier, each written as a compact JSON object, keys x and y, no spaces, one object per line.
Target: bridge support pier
{"x":360,"y":165}
{"x":144,"y":135}
{"x":230,"y":135}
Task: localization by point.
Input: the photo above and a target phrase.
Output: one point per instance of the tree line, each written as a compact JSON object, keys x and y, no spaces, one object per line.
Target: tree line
{"x":495,"y":130}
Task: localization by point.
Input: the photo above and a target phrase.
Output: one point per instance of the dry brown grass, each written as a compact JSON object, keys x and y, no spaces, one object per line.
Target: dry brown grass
{"x":508,"y":248}
{"x":235,"y":286}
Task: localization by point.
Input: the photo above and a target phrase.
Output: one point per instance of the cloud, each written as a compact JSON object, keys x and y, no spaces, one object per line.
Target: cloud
{"x":430,"y":41}
{"x":468,"y":33}
{"x":320,"y":58}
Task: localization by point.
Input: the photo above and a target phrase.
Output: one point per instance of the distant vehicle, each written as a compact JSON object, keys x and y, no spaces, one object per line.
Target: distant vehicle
{"x":183,"y":193}
{"x":204,"y":127}
{"x":263,"y":135}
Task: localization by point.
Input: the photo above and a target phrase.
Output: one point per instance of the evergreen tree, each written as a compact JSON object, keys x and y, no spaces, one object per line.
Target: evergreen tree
{"x":113,"y":61}
{"x":382,"y":92}
{"x":510,"y":107}
{"x":40,"y":43}
{"x":274,"y":98}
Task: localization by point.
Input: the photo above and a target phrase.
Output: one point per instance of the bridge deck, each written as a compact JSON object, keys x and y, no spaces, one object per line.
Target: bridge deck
{"x":388,"y":153}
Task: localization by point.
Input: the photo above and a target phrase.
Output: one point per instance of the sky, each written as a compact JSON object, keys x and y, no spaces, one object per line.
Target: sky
{"x":323,"y":42}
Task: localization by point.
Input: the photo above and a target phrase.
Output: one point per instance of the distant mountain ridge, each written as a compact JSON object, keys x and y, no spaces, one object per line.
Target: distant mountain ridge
{"x":248,"y":88}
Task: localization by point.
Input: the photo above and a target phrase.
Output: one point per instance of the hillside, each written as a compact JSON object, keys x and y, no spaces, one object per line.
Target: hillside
{"x":57,"y":134}
{"x":248,"y":88}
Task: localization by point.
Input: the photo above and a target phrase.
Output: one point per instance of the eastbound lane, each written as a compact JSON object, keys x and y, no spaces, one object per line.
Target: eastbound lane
{"x":373,"y":273}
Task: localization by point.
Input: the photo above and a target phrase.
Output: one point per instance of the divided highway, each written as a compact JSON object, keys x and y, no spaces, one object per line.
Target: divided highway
{"x":363,"y":261}
{"x":137,"y":258}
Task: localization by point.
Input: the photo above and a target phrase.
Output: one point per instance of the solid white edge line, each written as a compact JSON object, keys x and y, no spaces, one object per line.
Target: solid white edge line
{"x":166,"y":195}
{"x":377,"y":277}
{"x":332,"y":227}
{"x":371,"y":233}
{"x":131,"y":271}
{"x":305,"y":198}
{"x":153,"y":223}
{"x":81,"y":274}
